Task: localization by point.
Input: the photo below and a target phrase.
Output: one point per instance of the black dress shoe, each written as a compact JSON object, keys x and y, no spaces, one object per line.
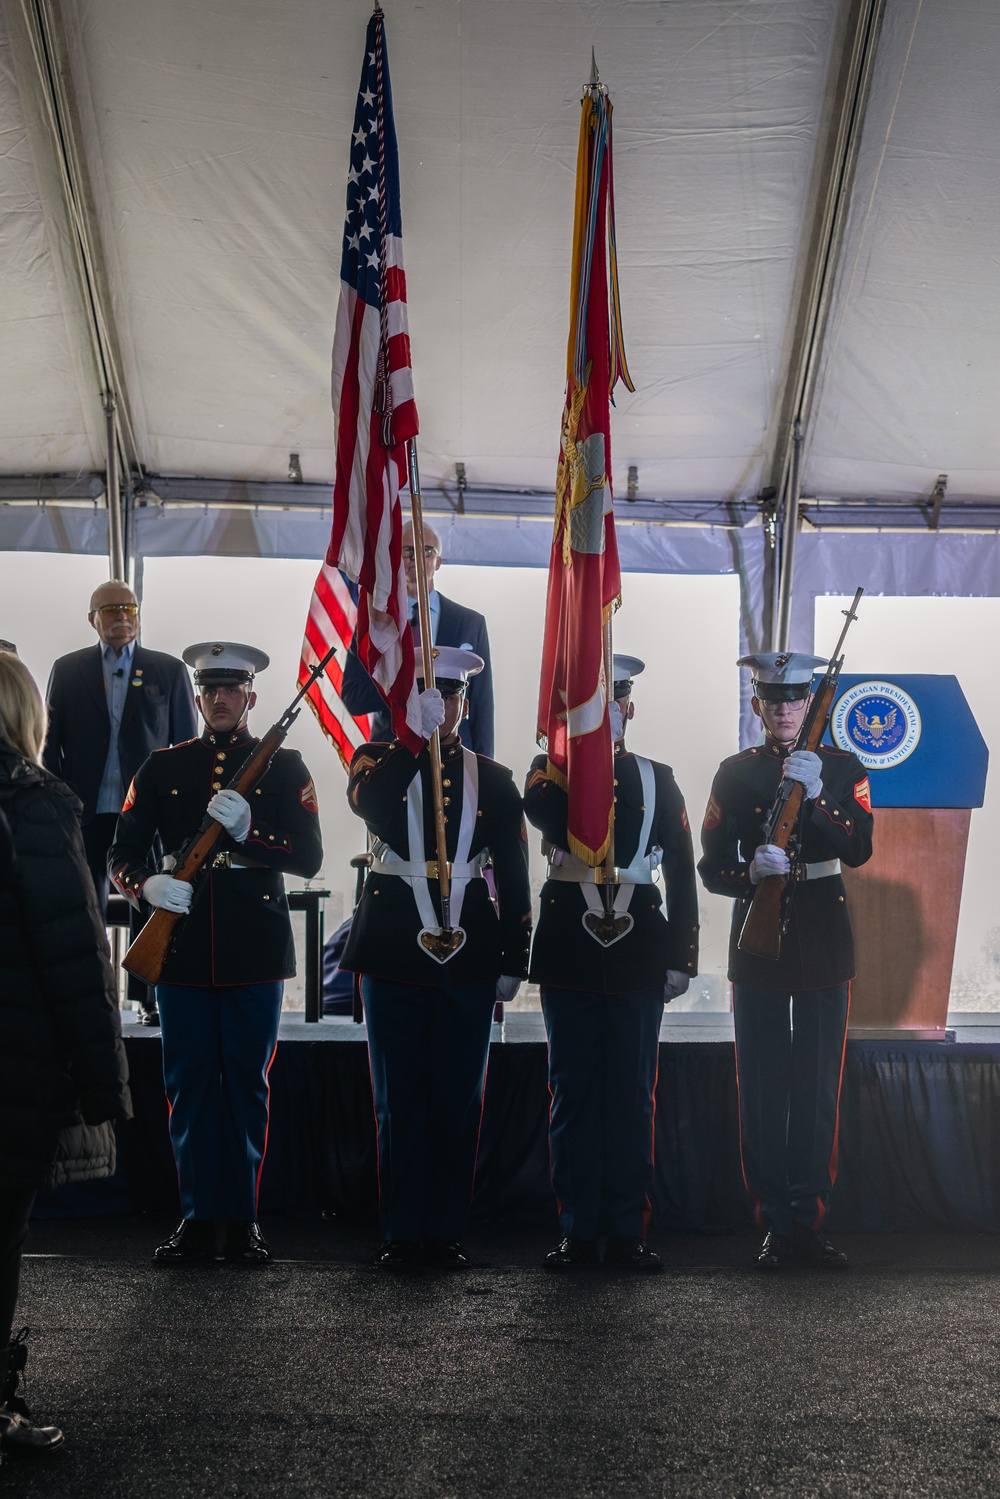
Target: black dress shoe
{"x":20,"y":1438}
{"x":776,"y":1252}
{"x":399,"y":1254}
{"x":810,"y":1249}
{"x":192,"y":1239}
{"x":572,"y":1254}
{"x":244,"y":1244}
{"x":445,"y":1254}
{"x":148,"y":1015}
{"x":632,"y":1254}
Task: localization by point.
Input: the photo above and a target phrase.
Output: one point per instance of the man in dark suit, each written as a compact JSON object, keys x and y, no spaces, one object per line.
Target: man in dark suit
{"x":109,"y":709}
{"x":451,"y":624}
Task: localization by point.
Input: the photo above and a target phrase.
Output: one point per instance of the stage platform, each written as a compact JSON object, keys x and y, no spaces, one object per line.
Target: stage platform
{"x":918,"y":1137}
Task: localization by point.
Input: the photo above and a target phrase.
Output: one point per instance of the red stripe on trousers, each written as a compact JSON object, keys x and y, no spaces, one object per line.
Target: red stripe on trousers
{"x":758,"y":1216}
{"x":835,"y":1148}
{"x":267,"y":1127}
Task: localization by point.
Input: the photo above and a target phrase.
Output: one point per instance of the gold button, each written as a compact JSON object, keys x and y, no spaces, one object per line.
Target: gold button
{"x":446,"y":783}
{"x":479,"y":812}
{"x":758,"y":809}
{"x":446,"y":801}
{"x":445,"y":818}
{"x":221,"y":755}
{"x":216,"y":785}
{"x":174,"y":792}
{"x":840,"y":899}
{"x":255,"y":832}
{"x":257,"y":792}
{"x":270,"y":837}
{"x":267,"y":897}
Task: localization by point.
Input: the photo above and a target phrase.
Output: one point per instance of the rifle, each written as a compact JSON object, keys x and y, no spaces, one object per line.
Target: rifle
{"x":148,"y":953}
{"x":767,"y":917}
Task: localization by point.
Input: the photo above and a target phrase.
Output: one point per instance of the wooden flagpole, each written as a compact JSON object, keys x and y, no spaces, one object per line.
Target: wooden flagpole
{"x":427,"y":647}
{"x":609,"y":874}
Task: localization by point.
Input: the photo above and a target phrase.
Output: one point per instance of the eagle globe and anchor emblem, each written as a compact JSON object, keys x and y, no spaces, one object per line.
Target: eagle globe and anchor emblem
{"x":879,"y":722}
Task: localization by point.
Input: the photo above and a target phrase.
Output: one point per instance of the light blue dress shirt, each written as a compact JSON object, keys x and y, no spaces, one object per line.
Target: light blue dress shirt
{"x":117,"y":675}
{"x":435,"y":607}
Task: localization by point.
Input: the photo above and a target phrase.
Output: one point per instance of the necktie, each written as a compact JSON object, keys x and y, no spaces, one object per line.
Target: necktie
{"x":415,"y":623}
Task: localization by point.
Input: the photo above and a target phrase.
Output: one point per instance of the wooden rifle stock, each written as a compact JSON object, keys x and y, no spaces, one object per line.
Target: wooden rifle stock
{"x":148,"y":953}
{"x":761,"y":934}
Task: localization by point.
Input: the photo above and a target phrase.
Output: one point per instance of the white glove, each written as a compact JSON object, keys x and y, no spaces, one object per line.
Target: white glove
{"x":677,"y":984}
{"x":804,"y":766}
{"x":168,"y":894}
{"x":507,"y":987}
{"x":431,"y":711}
{"x":233,"y":811}
{"x":769,"y":859}
{"x":615,"y":721}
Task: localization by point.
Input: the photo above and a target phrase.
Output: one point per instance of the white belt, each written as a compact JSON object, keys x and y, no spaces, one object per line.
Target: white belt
{"x":820,"y":871}
{"x":409,"y":869}
{"x":573,"y":871}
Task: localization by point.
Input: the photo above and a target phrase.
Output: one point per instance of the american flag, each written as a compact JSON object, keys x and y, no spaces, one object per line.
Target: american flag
{"x":332,"y":616}
{"x":373,"y":396}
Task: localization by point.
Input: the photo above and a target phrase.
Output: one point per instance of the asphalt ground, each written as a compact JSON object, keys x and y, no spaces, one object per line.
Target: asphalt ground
{"x":320,"y":1375}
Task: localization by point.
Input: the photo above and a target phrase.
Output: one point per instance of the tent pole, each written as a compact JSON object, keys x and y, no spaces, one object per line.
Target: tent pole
{"x":116,"y":544}
{"x":789,"y":531}
{"x":834,"y":167}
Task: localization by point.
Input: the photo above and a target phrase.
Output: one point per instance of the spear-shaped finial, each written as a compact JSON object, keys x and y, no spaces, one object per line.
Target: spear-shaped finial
{"x":595,"y":77}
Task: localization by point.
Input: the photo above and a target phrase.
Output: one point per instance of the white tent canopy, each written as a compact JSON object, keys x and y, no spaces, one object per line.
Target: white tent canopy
{"x":211,"y":145}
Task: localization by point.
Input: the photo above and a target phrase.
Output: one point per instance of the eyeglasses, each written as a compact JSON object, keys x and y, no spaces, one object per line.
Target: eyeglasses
{"x":429,"y":551}
{"x":108,"y":609}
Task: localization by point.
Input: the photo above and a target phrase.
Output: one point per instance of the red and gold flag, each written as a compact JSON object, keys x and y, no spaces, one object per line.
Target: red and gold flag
{"x":584,"y":577}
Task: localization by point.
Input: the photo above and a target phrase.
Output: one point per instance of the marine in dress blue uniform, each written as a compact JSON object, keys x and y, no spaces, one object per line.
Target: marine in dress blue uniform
{"x":429,"y":1021}
{"x":220,"y":991}
{"x":603,"y":1005}
{"x":791,"y":1013}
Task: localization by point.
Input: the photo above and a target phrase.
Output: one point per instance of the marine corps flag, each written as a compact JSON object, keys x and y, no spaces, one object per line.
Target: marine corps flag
{"x":584,"y":577}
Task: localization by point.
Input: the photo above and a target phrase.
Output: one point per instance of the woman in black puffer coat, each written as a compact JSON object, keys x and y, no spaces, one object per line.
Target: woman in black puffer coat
{"x":62,"y":1063}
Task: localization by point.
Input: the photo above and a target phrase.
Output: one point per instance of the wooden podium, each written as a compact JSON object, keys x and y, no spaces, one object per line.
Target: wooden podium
{"x":927,"y":763}
{"x":904,"y":906}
